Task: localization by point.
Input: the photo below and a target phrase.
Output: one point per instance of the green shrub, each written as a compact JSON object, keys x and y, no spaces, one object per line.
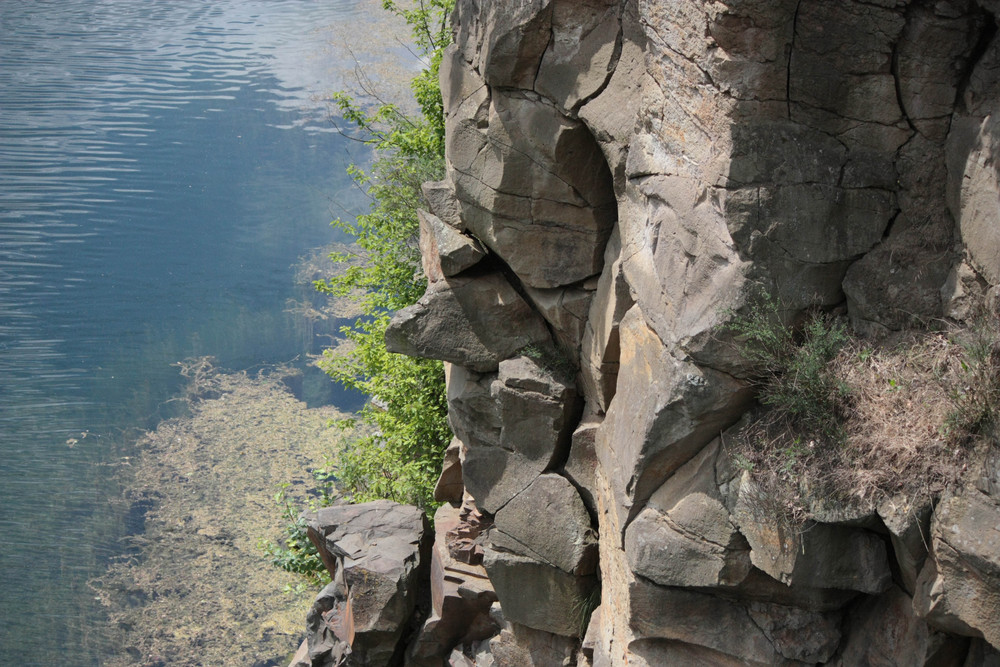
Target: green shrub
{"x":403,"y":428}
{"x":853,"y":422}
{"x":792,"y":368}
{"x":402,"y":432}
{"x":296,"y":554}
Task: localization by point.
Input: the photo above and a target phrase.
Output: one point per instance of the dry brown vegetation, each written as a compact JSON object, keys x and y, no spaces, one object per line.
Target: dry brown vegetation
{"x":198,"y":590}
{"x":911,"y":415}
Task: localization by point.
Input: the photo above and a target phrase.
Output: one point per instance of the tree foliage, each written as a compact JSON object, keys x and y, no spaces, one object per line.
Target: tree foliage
{"x":403,"y":427}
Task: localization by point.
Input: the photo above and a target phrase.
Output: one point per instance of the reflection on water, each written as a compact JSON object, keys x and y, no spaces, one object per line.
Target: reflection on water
{"x":162,"y":166}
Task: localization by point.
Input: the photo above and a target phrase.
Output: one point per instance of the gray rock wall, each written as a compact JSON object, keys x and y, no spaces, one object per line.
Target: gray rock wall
{"x":619,"y":173}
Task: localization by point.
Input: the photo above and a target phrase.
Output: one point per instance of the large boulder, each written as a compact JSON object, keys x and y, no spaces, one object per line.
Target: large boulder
{"x":517,"y":428}
{"x":758,"y":633}
{"x":532,"y":182}
{"x":685,"y":536}
{"x":958,"y":589}
{"x":665,"y":410}
{"x":564,"y":539}
{"x":473,"y":321}
{"x":815,"y":555}
{"x":444,"y":251}
{"x":377,"y":554}
{"x":557,"y":600}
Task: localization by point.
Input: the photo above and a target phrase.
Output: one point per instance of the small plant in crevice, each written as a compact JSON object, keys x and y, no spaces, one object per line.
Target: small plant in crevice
{"x":584,"y":607}
{"x":296,"y":553}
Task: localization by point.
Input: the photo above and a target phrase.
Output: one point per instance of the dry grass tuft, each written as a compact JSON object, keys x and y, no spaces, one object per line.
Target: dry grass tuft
{"x":909,"y":415}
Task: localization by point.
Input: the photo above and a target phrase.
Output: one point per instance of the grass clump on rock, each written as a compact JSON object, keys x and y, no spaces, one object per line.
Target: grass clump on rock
{"x":859,"y":422}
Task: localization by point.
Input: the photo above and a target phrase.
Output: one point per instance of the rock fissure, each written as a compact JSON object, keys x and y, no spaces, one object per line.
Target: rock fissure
{"x":788,"y":62}
{"x":612,"y":65}
{"x":985,"y":38}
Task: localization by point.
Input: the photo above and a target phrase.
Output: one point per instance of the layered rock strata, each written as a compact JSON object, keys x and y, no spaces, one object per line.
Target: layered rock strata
{"x":619,"y":173}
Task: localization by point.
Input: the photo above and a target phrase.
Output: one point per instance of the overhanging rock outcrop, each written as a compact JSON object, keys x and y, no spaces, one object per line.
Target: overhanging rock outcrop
{"x":621,"y":175}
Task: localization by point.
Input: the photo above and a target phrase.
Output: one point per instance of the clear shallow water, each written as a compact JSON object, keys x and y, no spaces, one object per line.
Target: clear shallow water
{"x":162,"y":166}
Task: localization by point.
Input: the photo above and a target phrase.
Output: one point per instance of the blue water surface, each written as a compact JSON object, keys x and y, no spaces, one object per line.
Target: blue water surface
{"x":163,"y":164}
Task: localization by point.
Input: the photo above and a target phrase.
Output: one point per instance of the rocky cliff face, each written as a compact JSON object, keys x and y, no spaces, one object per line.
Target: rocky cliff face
{"x":619,"y":174}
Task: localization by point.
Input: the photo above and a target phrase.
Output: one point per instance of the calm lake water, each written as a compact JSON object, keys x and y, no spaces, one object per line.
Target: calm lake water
{"x":163,"y":164}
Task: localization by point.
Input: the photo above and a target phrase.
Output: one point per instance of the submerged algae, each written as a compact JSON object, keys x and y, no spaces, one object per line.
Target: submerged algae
{"x":196,"y":588}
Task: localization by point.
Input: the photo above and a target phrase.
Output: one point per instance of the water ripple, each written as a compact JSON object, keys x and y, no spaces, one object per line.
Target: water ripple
{"x":149,"y":209}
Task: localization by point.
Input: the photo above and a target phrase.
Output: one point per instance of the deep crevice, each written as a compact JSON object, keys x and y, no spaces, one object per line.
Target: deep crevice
{"x":987,"y":34}
{"x":788,"y":65}
{"x":896,"y":80}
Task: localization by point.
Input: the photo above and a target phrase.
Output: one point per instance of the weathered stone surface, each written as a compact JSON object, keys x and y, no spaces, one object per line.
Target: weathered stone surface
{"x":461,"y":596}
{"x":655,"y":652}
{"x":601,"y":348}
{"x":442,"y":203}
{"x":933,"y":51}
{"x":908,"y":524}
{"x":538,"y":407}
{"x":685,"y":536}
{"x":472,"y":414}
{"x":884,"y":630}
{"x":493,"y":475}
{"x":798,"y":634}
{"x":555,"y":593}
{"x":612,"y":114}
{"x":812,"y":223}
{"x":519,"y":645}
{"x":444,"y":251}
{"x":666,"y":553}
{"x":728,"y":627}
{"x":506,"y":43}
{"x":962,"y":292}
{"x":842,"y":58}
{"x":679,"y":257}
{"x":664,"y":412}
{"x":474,"y":321}
{"x":592,"y":637}
{"x":564,"y":539}
{"x":982,"y":654}
{"x":546,"y":207}
{"x":816,"y":555}
{"x":581,"y":464}
{"x":958,"y":589}
{"x":515,"y":426}
{"x":822,"y":149}
{"x":975,"y":192}
{"x":581,"y":54}
{"x":377,"y":554}
{"x":896,"y":286}
{"x":449,"y":487}
{"x":566,"y":312}
{"x":759,"y":587}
